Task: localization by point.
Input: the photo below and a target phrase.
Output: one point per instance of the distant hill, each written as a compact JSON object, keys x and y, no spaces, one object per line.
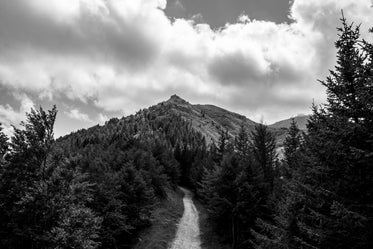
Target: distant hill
{"x":301,"y":121}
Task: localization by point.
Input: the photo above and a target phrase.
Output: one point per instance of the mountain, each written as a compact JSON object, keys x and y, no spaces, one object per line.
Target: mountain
{"x":132,"y":162}
{"x":209,"y":120}
{"x":301,"y":121}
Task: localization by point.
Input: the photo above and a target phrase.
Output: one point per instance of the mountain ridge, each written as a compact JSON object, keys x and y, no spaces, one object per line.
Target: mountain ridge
{"x":208,"y":119}
{"x":301,"y":121}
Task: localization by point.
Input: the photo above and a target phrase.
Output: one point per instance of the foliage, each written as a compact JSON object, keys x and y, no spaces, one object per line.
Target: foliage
{"x":42,"y":193}
{"x":325,"y":199}
{"x":236,"y":189}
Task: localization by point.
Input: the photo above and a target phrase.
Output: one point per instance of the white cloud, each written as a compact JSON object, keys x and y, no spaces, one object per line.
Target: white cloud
{"x":126,"y":55}
{"x":102,"y":118}
{"x":78,"y":115}
{"x":10,"y":116}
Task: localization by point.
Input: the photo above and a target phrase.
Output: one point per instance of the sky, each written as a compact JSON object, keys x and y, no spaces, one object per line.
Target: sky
{"x":97,"y":59}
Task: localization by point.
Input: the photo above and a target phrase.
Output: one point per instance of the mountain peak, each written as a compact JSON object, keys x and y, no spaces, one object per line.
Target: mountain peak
{"x":177,"y":100}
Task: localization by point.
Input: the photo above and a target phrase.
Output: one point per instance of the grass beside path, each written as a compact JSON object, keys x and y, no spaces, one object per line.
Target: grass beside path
{"x":164,"y":223}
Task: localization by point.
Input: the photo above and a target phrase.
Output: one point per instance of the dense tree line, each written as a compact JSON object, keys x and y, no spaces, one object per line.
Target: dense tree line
{"x":44,"y":197}
{"x":238,"y":186}
{"x":94,"y":188}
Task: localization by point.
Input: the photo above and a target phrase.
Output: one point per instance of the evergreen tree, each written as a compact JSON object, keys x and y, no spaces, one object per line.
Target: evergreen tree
{"x":235,"y":192}
{"x":241,"y":145}
{"x":340,"y":145}
{"x":222,"y":206}
{"x":287,"y":228}
{"x":292,"y":147}
{"x":263,"y":147}
{"x":327,"y":203}
{"x":37,"y":196}
{"x":292,"y":142}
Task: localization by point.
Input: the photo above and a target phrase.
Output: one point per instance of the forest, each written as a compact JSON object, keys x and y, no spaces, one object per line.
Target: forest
{"x":97,"y":187}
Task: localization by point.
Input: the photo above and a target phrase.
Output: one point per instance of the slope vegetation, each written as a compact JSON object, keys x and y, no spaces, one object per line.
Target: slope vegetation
{"x":301,"y":121}
{"x":209,"y":120}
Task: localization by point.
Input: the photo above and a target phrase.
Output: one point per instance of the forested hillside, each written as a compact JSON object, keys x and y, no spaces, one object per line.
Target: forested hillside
{"x":209,"y":120}
{"x":94,"y":188}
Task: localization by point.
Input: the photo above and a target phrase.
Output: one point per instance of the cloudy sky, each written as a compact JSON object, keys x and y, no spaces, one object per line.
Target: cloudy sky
{"x":97,"y":59}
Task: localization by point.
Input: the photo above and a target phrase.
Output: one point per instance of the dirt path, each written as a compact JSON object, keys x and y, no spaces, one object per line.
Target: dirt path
{"x":187,"y":236}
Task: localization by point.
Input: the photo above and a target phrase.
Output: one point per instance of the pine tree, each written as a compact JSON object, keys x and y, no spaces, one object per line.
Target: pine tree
{"x":222,"y":206}
{"x":340,"y":141}
{"x":292,"y":142}
{"x":292,"y":147}
{"x":40,"y":194}
{"x":241,"y":144}
{"x":287,"y":228}
{"x":327,"y":203}
{"x":263,"y":147}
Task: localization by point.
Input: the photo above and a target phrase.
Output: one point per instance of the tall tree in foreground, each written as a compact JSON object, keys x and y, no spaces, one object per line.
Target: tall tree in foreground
{"x":23,"y":181}
{"x":43,"y":197}
{"x":328,"y":201}
{"x":340,"y":147}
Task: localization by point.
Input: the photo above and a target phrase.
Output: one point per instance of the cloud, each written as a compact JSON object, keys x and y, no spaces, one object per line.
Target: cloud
{"x":198,"y":18}
{"x":125,"y":55}
{"x":78,"y":115}
{"x":102,"y":118}
{"x":10,"y":116}
{"x":236,"y":68}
